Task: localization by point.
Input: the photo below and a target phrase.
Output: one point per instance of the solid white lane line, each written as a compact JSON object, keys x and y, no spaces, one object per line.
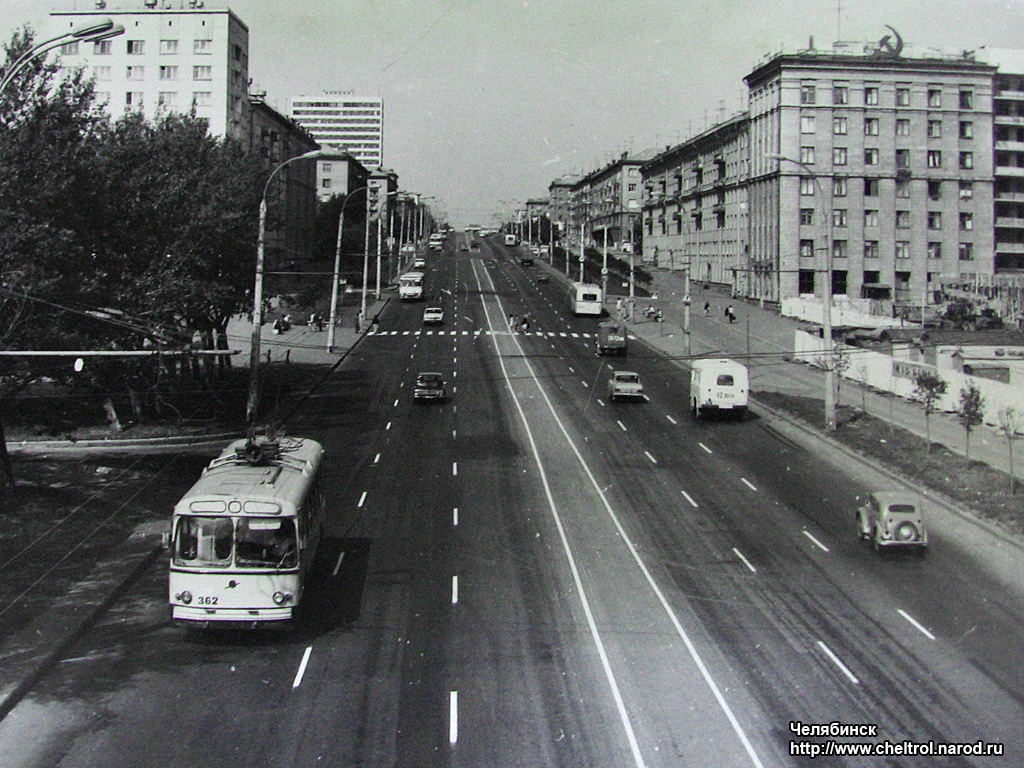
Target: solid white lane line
{"x":337,"y":565}
{"x":667,"y":416}
{"x":745,"y":561}
{"x":809,"y":536}
{"x":845,"y":670}
{"x":621,"y":425}
{"x":689,"y":498}
{"x":453,"y":717}
{"x":302,"y":667}
{"x":915,"y":623}
{"x":362,"y":499}
{"x":455,"y":590}
{"x":749,"y":484}
{"x":706,"y":449}
{"x":648,"y":455}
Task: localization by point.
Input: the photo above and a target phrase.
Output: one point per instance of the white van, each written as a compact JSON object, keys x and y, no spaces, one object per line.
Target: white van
{"x":718,"y":386}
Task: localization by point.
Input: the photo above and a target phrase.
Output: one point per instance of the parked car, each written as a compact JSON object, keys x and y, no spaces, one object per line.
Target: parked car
{"x":419,"y":263}
{"x":625,"y":384}
{"x":543,"y":278}
{"x":433,"y":316}
{"x":429,"y":386}
{"x":893,"y":519}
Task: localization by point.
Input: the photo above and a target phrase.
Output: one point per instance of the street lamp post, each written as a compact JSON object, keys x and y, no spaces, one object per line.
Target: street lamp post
{"x":257,"y":294}
{"x":332,"y":320}
{"x":101,"y":29}
{"x":826,"y":315}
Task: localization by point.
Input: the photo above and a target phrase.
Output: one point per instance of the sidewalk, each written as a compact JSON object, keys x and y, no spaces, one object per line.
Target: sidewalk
{"x":764,"y":338}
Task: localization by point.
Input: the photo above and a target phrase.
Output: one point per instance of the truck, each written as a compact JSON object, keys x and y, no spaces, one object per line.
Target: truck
{"x":611,"y":338}
{"x":718,"y":386}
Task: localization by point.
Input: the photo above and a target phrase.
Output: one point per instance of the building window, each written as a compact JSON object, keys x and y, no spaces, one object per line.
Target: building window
{"x":101,"y":73}
{"x":69,"y":49}
{"x":807,"y":94}
{"x":102,"y":47}
{"x":168,"y":46}
{"x":202,"y":98}
{"x":934,"y":158}
{"x":934,"y":129}
{"x":934,"y":189}
{"x":902,"y":188}
{"x":903,"y":219}
{"x":806,"y":123}
{"x":807,"y":248}
{"x":807,"y":155}
{"x":966,"y":251}
{"x":902,"y":127}
{"x":871,"y":156}
{"x":966,"y":100}
{"x":202,"y":73}
{"x":966,"y":220}
{"x":202,"y":46}
{"x":934,"y":219}
{"x":839,"y":217}
{"x":167,"y":99}
{"x":870,"y":217}
{"x":135,"y":73}
{"x":839,"y":187}
{"x":870,"y":249}
{"x":902,"y":249}
{"x":966,"y":190}
{"x":136,"y":47}
{"x":168,"y":73}
{"x":806,"y":185}
{"x":902,"y":158}
{"x":325,"y":183}
{"x":966,"y":160}
{"x":839,"y":156}
{"x":133,"y":98}
{"x":934,"y":250}
{"x":966,"y":129}
{"x":871,"y":95}
{"x":806,"y":279}
{"x":807,"y":216}
{"x":838,"y":249}
{"x":934,"y":97}
{"x":870,"y":126}
{"x":902,"y":97}
{"x":870,"y":187}
{"x":632,"y":187}
{"x":839,"y":126}
{"x":840,"y":94}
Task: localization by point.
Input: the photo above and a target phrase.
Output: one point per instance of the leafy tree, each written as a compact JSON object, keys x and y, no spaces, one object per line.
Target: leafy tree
{"x":928,"y":389}
{"x":970,"y":412}
{"x":1010,"y":424}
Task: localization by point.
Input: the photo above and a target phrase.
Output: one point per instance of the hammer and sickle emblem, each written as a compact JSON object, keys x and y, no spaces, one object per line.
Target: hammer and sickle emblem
{"x":886,"y":48}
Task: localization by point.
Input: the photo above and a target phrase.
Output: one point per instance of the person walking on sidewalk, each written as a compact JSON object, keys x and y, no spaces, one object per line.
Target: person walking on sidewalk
{"x":730,"y":314}
{"x":707,"y":308}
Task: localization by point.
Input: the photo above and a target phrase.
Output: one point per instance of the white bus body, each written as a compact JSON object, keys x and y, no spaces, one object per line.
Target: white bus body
{"x":718,"y":386}
{"x":410,"y":286}
{"x":510,"y":239}
{"x":244,"y":537}
{"x":585,"y":299}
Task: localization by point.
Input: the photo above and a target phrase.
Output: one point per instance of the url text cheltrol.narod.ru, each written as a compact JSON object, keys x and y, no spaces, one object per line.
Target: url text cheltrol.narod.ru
{"x":832,"y":748}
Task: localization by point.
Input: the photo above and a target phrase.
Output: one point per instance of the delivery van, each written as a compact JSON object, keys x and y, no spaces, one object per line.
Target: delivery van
{"x":718,"y":387}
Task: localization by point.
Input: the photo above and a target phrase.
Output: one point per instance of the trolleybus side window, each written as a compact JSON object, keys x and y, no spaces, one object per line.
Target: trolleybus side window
{"x":262,"y":542}
{"x":204,"y":541}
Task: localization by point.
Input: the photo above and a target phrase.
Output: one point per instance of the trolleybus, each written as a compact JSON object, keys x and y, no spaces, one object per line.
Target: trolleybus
{"x":243,"y":539}
{"x":410,"y":286}
{"x":585,"y":299}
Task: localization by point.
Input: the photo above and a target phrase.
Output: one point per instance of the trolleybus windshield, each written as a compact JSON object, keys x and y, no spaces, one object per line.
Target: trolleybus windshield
{"x":254,"y":542}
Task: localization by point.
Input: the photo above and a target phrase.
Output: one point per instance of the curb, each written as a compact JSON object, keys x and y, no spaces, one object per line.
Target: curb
{"x":115,"y":445}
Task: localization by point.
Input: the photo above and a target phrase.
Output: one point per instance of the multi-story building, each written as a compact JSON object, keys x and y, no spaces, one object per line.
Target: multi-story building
{"x":345,"y":121}
{"x":605,"y":203}
{"x":695,"y":204}
{"x":339,"y":173}
{"x":559,"y":201}
{"x":879,"y":164}
{"x":175,"y":56}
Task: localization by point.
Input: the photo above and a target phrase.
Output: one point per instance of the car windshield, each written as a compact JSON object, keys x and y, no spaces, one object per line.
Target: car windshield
{"x":903,"y":509}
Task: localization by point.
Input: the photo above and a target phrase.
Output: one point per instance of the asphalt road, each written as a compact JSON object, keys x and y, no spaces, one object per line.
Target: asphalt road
{"x":530,"y":575}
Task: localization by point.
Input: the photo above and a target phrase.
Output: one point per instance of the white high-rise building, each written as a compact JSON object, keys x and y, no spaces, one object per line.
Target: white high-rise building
{"x":173,"y":56}
{"x":343,"y":120}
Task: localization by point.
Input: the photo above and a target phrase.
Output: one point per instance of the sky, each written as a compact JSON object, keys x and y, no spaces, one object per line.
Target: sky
{"x":487,"y":101}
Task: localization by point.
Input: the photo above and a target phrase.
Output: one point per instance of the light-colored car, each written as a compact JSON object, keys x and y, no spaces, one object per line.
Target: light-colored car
{"x":893,"y":519}
{"x":419,"y":263}
{"x":433,"y":316}
{"x":625,"y":385}
{"x":429,"y":386}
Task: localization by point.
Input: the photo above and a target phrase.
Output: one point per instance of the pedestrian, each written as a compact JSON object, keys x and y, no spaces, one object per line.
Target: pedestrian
{"x":525,"y":324}
{"x":375,"y":325}
{"x":730,"y":314}
{"x":707,"y":308}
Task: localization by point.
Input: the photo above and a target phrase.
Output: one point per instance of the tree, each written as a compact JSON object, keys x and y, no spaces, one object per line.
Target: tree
{"x":1010,"y":424}
{"x":928,"y":388}
{"x":970,"y":412}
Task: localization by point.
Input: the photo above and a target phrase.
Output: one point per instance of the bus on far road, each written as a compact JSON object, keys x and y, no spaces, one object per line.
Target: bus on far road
{"x":585,"y":299}
{"x":410,"y":286}
{"x":510,"y":239}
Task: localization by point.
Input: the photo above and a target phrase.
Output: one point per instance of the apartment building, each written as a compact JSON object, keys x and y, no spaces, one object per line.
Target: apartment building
{"x":695,"y":205}
{"x":343,"y":120}
{"x":339,"y":173}
{"x":880,"y":164}
{"x":606,"y":203}
{"x":559,"y":201}
{"x":175,"y":55}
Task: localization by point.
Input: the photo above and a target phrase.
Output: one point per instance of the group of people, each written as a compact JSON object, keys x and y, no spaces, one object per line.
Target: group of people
{"x":284,"y":323}
{"x":519,"y":323}
{"x":730,"y":315}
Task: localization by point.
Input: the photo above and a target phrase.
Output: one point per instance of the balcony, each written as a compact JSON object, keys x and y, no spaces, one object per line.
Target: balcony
{"x":1010,"y":248}
{"x":1009,"y":170}
{"x":1009,"y":222}
{"x":1017,"y":120}
{"x":1009,"y":146}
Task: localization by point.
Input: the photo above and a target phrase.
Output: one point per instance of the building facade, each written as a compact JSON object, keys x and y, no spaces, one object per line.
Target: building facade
{"x":560,"y":202}
{"x":606,"y":203}
{"x":339,"y":173}
{"x":175,"y":55}
{"x":345,"y":121}
{"x":876,"y":165}
{"x":695,"y":205}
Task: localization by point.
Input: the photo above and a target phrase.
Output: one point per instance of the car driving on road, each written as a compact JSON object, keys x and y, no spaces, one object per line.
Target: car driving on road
{"x":433,"y":316}
{"x":429,"y":386}
{"x":625,"y":385}
{"x":893,"y":519}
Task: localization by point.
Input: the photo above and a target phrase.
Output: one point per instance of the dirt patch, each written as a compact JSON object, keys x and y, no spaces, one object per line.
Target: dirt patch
{"x":972,"y":484}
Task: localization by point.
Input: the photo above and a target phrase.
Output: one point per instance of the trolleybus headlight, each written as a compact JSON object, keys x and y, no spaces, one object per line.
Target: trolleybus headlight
{"x":184,"y":597}
{"x":280,"y":598}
